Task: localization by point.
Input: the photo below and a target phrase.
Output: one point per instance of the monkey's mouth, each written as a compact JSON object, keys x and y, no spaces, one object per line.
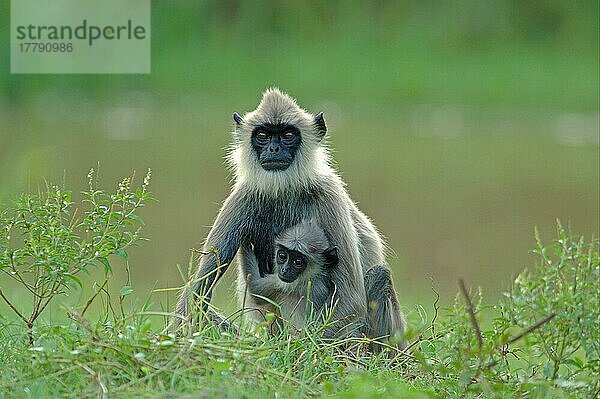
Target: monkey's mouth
{"x":274,"y":165}
{"x":285,"y":279}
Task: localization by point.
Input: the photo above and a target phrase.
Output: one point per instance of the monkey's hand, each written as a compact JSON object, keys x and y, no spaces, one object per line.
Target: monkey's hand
{"x":252,"y":271}
{"x":269,"y":286}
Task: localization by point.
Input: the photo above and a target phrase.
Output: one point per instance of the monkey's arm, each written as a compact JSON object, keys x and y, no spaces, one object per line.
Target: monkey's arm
{"x":221,"y":245}
{"x":269,"y":286}
{"x":349,"y":299}
{"x":252,"y":271}
{"x":371,"y":244}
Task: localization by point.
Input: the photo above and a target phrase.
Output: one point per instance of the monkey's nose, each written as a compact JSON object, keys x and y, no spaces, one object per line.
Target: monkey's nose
{"x":274,"y":149}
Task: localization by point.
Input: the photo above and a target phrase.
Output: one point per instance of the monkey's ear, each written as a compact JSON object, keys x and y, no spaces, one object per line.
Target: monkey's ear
{"x":331,"y":257}
{"x":237,"y":118}
{"x":320,"y":125}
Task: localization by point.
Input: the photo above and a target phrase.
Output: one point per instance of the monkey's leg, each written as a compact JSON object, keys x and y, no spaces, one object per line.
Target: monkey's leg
{"x":221,"y":322}
{"x":384,"y":315}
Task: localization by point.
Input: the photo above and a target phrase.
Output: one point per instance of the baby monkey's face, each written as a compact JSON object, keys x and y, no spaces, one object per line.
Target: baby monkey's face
{"x":290,"y":264}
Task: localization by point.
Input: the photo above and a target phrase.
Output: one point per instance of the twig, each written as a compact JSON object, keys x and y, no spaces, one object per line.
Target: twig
{"x":41,"y":307}
{"x":436,"y":306}
{"x":471,"y":311}
{"x":200,"y":252}
{"x":89,"y":301}
{"x":83,"y":323}
{"x":405,"y":351}
{"x":14,"y":309}
{"x":97,"y":378}
{"x":17,"y":276}
{"x":523,"y":333}
{"x":534,"y":327}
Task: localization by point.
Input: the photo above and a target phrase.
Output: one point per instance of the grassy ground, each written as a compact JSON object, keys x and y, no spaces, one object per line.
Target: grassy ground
{"x":125,"y":355}
{"x":539,"y":341}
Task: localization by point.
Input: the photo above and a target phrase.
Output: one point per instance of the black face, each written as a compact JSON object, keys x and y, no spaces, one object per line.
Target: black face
{"x":291,"y":264}
{"x":276,"y":145}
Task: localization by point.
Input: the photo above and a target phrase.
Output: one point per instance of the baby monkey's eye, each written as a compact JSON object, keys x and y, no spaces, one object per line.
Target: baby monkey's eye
{"x":282,"y":255}
{"x":262,"y":137}
{"x":298,"y":262}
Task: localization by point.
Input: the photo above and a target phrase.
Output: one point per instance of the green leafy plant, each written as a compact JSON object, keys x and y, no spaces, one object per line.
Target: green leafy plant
{"x":540,"y":341}
{"x":565,"y":283}
{"x":46,"y":242}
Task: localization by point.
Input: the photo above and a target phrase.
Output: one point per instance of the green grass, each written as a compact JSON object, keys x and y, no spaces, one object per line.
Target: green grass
{"x":539,"y":341}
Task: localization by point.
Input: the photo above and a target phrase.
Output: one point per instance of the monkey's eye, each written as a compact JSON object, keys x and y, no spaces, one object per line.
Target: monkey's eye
{"x":289,"y":136}
{"x":262,"y":137}
{"x":282,"y":256}
{"x":298,"y":262}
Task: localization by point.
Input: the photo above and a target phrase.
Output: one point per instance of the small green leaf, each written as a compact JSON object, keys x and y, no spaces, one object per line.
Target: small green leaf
{"x":575,"y":361}
{"x":427,"y":348}
{"x":122,"y":253}
{"x":136,"y":218}
{"x":106,"y":263}
{"x":126,"y":290}
{"x":73,"y":278}
{"x":146,"y":326}
{"x":269,"y":317}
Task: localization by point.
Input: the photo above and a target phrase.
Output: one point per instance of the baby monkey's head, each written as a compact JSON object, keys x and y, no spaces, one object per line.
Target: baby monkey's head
{"x":303,"y":250}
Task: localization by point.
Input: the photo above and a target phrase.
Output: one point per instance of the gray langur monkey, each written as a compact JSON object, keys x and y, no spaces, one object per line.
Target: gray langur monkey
{"x":283,"y":175}
{"x":301,"y":286}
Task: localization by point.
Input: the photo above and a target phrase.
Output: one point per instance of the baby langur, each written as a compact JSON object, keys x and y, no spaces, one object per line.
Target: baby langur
{"x":301,"y":285}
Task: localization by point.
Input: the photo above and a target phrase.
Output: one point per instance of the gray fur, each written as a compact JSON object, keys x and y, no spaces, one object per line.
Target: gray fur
{"x":297,"y":302}
{"x":385,"y":317}
{"x":263,"y":204}
{"x":305,"y":237}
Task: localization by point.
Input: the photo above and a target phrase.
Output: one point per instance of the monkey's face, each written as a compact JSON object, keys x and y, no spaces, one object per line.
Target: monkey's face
{"x":278,"y":146}
{"x":290,"y":264}
{"x":275,"y":146}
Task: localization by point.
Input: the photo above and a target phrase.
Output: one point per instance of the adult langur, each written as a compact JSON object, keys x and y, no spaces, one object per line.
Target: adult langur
{"x":283,"y":175}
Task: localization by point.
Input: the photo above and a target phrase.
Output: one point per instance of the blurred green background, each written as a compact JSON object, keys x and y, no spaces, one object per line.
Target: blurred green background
{"x":458,"y":126}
